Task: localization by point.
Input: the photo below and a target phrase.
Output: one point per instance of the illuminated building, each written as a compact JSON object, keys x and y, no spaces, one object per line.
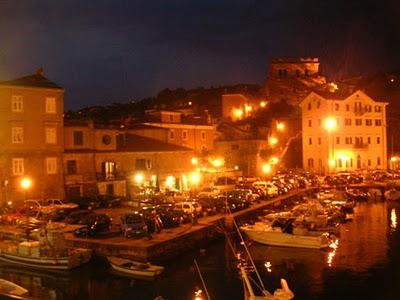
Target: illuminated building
{"x":343,"y":132}
{"x":31,"y":138}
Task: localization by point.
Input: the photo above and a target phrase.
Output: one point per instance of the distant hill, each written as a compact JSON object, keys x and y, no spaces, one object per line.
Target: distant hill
{"x":199,"y":99}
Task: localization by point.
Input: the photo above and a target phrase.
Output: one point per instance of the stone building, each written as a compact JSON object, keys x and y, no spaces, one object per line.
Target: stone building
{"x":106,"y":159}
{"x":185,"y":131}
{"x":342,"y":131}
{"x":31,"y":139}
{"x":291,"y":80}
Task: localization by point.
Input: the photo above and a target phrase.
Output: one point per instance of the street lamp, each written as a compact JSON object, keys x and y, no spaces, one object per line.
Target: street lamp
{"x":272,"y":141}
{"x":280,"y":126}
{"x":266,"y":168}
{"x":25,"y":184}
{"x":139,"y":178}
{"x":195,"y":161}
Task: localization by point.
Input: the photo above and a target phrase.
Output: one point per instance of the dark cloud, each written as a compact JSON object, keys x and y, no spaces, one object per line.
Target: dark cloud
{"x":106,"y":51}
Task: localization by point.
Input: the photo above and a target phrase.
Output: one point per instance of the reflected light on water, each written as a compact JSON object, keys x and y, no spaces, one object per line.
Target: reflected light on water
{"x":334,"y":245}
{"x":198,"y":295}
{"x":268,"y":266}
{"x":393,"y":219}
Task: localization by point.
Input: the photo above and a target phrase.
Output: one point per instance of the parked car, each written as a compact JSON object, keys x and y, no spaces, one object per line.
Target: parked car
{"x":134,"y":225}
{"x":95,"y":224}
{"x":50,"y":205}
{"x":78,"y":217}
{"x":87,"y":202}
{"x":109,"y":201}
{"x":189,"y":207}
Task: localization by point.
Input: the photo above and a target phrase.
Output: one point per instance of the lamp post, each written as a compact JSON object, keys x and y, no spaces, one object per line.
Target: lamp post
{"x":25,"y":184}
{"x":330,"y":124}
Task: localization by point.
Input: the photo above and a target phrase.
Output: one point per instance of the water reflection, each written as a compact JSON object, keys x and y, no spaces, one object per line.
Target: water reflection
{"x":369,"y":243}
{"x":393,"y":219}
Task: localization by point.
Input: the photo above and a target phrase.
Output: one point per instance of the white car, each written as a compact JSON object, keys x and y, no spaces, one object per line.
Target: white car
{"x":189,"y":207}
{"x":51,"y":205}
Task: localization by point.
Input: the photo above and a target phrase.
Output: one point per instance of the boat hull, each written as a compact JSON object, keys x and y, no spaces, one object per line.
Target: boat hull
{"x":150,"y":272}
{"x":277,"y":238}
{"x":47,"y":263}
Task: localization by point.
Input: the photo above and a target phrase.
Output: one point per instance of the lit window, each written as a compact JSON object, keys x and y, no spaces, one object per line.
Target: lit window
{"x":17,"y":103}
{"x":108,"y":169}
{"x":51,"y":135}
{"x":17,"y":135}
{"x":18,"y":166}
{"x":51,"y":165}
{"x":50,"y":105}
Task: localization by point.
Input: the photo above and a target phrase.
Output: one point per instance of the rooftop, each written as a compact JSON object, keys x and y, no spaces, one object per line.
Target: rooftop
{"x":36,"y":80}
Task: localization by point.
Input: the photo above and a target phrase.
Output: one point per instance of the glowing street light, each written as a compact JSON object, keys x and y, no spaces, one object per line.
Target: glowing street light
{"x":195,"y":178}
{"x":218,"y":162}
{"x":331,"y":162}
{"x":248,"y":108}
{"x":263,"y":104}
{"x":139,"y":178}
{"x":238,"y":113}
{"x":273,"y":141}
{"x":393,"y":159}
{"x":273,"y":160}
{"x":280,"y":126}
{"x":25,"y":183}
{"x":195,"y":161}
{"x":330,"y":124}
{"x":266,"y":168}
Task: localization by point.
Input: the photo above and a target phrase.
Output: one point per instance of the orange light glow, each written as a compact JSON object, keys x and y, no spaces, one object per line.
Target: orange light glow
{"x":263,"y":104}
{"x":273,"y":141}
{"x":330,"y":124}
{"x":238,"y":113}
{"x":266,"y":168}
{"x":195,"y":160}
{"x":280,"y":126}
{"x":25,"y":183}
{"x":273,"y":160}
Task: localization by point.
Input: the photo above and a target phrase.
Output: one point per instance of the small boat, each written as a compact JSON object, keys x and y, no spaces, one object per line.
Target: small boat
{"x":9,"y":288}
{"x":392,"y":195}
{"x":32,"y":255}
{"x":280,"y":236}
{"x":134,"y":268}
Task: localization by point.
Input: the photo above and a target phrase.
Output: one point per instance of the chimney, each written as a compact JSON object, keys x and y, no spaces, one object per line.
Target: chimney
{"x":40,"y":71}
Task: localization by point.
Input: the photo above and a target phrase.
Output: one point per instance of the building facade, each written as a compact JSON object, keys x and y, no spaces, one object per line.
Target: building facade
{"x":343,"y":132}
{"x":104,"y":159}
{"x":291,"y":80}
{"x":31,"y":138}
{"x":196,"y":134}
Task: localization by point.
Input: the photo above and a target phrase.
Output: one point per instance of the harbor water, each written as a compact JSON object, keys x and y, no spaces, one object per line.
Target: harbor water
{"x":365,"y":265}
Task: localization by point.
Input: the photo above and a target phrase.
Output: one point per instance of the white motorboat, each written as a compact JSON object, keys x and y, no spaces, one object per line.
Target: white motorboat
{"x":9,"y":288}
{"x":134,"y":268}
{"x":392,"y":195}
{"x":277,"y":236}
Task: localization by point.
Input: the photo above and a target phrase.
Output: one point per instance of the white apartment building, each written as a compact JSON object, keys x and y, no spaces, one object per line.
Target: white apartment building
{"x":343,"y":132}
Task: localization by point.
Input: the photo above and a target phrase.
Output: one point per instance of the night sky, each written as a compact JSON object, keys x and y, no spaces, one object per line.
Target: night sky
{"x":115,"y":51}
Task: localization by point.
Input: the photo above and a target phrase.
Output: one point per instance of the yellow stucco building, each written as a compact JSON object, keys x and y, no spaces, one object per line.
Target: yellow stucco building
{"x":31,"y":138}
{"x":343,"y":132}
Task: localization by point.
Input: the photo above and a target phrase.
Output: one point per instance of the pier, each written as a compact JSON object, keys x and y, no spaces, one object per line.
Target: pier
{"x":170,"y":243}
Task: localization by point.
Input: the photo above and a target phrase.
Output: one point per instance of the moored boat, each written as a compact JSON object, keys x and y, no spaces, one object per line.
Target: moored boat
{"x":392,"y":195}
{"x":276,"y":236}
{"x":32,"y":255}
{"x":134,"y":268}
{"x":8,"y":288}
